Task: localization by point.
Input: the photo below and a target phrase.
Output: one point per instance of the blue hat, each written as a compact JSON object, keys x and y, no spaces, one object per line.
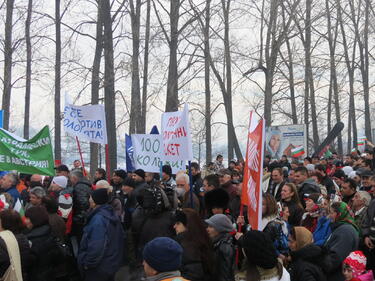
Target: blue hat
{"x":163,"y":254}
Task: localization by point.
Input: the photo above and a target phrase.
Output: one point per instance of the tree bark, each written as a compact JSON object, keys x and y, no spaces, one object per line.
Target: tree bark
{"x":172,"y":82}
{"x":26,"y":125}
{"x":57,"y":81}
{"x":135,"y":108}
{"x":207,"y":82}
{"x":95,"y":85}
{"x":109,"y":84}
{"x":142,"y":128}
{"x":8,"y":53}
{"x":291,"y":83}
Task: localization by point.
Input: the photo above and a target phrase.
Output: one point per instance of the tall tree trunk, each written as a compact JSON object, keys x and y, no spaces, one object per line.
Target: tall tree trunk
{"x":26,"y":125}
{"x":291,"y":83}
{"x":57,"y":81}
{"x":332,"y":36}
{"x":365,"y":72}
{"x":135,"y":109}
{"x":109,"y":84}
{"x":142,"y":128}
{"x":207,"y":82}
{"x":8,"y":53}
{"x":95,"y":85}
{"x":172,"y":82}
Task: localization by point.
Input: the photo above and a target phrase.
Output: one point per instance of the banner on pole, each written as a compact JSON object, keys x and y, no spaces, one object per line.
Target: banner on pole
{"x":175,"y":131}
{"x":147,"y":153}
{"x":253,"y":172}
{"x":32,"y":156}
{"x":86,"y":122}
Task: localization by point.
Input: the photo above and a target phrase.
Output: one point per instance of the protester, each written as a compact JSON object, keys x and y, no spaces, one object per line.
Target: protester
{"x":43,"y":246}
{"x":9,"y":185}
{"x":197,"y":257}
{"x":323,"y":228}
{"x":365,"y":180}
{"x":112,"y":200}
{"x":218,"y":164}
{"x":305,"y":184}
{"x":225,"y":177}
{"x":348,"y":191}
{"x":101,"y":248}
{"x":11,"y":221}
{"x":307,"y":260}
{"x":59,"y":185}
{"x":62,"y":170}
{"x":360,"y":203}
{"x":310,"y":218}
{"x":343,"y":240}
{"x":167,"y":179}
{"x":326,"y":180}
{"x":100,"y":174}
{"x":277,"y":183}
{"x":197,"y":181}
{"x":117,"y":179}
{"x":211,"y":182}
{"x":139,"y":178}
{"x":261,"y":258}
{"x":289,"y":196}
{"x":216,"y":202}
{"x":187,"y":198}
{"x":219,"y":227}
{"x":161,"y":260}
{"x":36,"y":195}
{"x":354,"y":268}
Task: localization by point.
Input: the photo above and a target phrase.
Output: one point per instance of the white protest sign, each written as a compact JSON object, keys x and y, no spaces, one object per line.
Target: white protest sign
{"x":86,"y":122}
{"x":147,"y":154}
{"x":176,"y":136}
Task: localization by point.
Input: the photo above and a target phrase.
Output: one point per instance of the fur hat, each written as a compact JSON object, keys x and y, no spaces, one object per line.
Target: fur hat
{"x":216,"y":198}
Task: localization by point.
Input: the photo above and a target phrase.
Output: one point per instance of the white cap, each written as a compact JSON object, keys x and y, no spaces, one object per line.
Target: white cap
{"x":352,"y":174}
{"x":347,"y":170}
{"x":310,"y":167}
{"x":61,"y":181}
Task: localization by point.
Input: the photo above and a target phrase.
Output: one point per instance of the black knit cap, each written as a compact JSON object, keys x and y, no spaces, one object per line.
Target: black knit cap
{"x":259,"y":249}
{"x":167,"y":169}
{"x":140,"y":173}
{"x":120,"y":173}
{"x":129,"y":182}
{"x":180,"y":216}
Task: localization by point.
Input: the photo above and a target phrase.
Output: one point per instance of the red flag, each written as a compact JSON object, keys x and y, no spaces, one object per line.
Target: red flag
{"x":253,"y":172}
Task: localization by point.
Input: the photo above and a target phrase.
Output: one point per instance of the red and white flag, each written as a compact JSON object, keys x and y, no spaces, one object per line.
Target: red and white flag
{"x":253,"y":172}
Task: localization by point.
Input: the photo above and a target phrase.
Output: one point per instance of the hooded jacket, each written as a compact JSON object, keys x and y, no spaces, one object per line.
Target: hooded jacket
{"x":102,"y":244}
{"x":81,"y":195}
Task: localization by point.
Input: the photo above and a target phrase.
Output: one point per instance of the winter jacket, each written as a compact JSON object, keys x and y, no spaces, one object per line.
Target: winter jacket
{"x":192,"y":267}
{"x":343,"y":240}
{"x":368,"y":276}
{"x":197,"y":184}
{"x":46,"y":251}
{"x":145,"y":227}
{"x":116,"y":205}
{"x":322,"y":231}
{"x":102,"y":244}
{"x":307,"y":187}
{"x":81,"y":205}
{"x":278,"y":232}
{"x":360,"y":217}
{"x":224,"y":255}
{"x":369,"y":221}
{"x":58,"y":227}
{"x":27,"y":257}
{"x":308,"y":263}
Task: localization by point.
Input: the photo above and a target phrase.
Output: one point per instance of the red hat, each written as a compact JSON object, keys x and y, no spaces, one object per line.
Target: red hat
{"x":357,"y":261}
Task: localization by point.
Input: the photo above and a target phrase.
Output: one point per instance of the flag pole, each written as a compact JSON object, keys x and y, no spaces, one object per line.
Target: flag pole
{"x":80,"y":154}
{"x":191,"y":187}
{"x":107,"y":163}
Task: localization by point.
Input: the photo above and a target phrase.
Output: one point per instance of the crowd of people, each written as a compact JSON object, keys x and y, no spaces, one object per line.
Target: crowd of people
{"x":318,"y":223}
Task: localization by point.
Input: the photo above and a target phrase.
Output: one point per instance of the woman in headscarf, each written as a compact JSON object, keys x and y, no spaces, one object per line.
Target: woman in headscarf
{"x":307,"y":259}
{"x":343,"y":240}
{"x":261,"y":259}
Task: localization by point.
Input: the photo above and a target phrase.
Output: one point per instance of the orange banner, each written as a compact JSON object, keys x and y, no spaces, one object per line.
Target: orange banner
{"x":253,"y":172}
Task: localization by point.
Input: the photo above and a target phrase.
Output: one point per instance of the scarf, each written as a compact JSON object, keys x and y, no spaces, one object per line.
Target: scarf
{"x":303,"y":237}
{"x":346,"y":216}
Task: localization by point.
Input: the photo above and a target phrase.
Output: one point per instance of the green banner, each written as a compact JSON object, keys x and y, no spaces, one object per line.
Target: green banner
{"x":32,"y":156}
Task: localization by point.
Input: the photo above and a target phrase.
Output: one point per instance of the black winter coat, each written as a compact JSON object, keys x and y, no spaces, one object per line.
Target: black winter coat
{"x":224,"y":255}
{"x":81,"y":195}
{"x":25,"y":252}
{"x":47,"y":254}
{"x":308,"y":263}
{"x":192,"y":267}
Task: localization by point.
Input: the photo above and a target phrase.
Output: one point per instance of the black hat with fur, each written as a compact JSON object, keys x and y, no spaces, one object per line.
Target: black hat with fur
{"x":216,"y":198}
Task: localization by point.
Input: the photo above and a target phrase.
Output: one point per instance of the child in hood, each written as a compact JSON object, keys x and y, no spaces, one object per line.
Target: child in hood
{"x":354,"y":268}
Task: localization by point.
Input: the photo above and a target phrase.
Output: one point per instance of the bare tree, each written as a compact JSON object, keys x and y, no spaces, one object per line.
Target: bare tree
{"x":57,"y":80}
{"x":95,"y":84}
{"x":8,"y":55}
{"x":109,"y":83}
{"x":26,"y":126}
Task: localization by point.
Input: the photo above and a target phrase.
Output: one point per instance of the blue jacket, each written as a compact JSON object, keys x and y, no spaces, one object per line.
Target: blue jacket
{"x":102,"y":244}
{"x":14,"y":193}
{"x":323,"y":231}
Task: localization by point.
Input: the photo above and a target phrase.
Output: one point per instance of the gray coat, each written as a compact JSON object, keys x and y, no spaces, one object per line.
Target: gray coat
{"x":343,"y":240}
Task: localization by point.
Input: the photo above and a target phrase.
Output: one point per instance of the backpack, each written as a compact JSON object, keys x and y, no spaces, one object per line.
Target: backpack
{"x":277,"y":234}
{"x":14,"y":271}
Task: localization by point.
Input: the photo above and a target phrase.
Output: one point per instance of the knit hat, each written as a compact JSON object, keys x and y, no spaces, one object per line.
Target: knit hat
{"x":163,"y":254}
{"x":65,"y":202}
{"x":357,"y":261}
{"x":216,"y":198}
{"x":303,"y":236}
{"x":103,"y":184}
{"x":167,"y":169}
{"x":220,"y":222}
{"x":129,"y":182}
{"x":140,"y":173}
{"x":100,"y":196}
{"x":61,"y":181}
{"x":259,"y":249}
